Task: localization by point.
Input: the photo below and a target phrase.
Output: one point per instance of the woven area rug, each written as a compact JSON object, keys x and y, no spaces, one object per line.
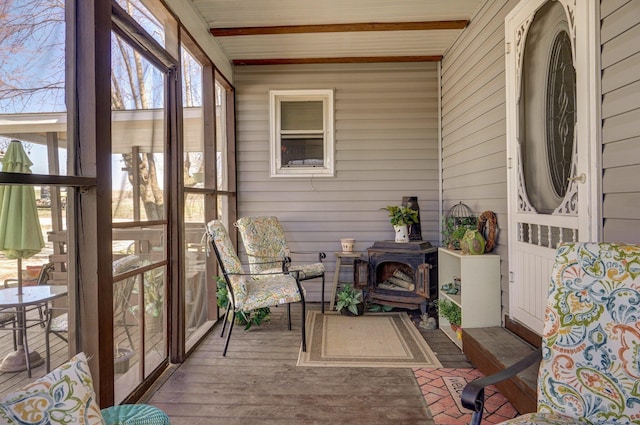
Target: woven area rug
{"x":442,"y":388}
{"x":371,"y":340}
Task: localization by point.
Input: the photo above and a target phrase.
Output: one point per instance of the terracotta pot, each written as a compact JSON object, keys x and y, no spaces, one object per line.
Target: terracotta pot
{"x":458,"y":330}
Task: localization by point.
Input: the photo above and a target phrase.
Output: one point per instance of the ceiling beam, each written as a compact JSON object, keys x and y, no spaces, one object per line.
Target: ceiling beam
{"x":357,"y":59}
{"x":357,"y":27}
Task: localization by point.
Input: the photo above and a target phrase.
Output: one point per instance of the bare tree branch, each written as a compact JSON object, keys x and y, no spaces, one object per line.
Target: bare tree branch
{"x":31,"y":54}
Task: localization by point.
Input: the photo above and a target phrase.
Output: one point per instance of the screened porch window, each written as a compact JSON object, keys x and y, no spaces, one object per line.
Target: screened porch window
{"x":301,"y":133}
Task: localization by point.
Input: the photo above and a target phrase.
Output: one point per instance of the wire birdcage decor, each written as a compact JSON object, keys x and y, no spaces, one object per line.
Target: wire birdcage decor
{"x":458,"y":220}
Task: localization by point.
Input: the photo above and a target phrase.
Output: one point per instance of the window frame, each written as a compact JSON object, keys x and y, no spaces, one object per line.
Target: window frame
{"x":276,"y":97}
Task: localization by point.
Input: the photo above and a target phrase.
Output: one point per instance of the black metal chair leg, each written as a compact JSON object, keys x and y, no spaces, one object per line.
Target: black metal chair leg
{"x":304,"y":328}
{"x":224,"y":324}
{"x":126,"y":327}
{"x":46,"y":339}
{"x":15,"y":339}
{"x":289,"y":314}
{"x":322,"y":294}
{"x":41,"y":316}
{"x":226,"y":343}
{"x":25,"y":345}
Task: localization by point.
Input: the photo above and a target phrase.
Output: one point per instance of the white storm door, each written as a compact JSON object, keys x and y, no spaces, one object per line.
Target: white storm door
{"x":549,"y":143}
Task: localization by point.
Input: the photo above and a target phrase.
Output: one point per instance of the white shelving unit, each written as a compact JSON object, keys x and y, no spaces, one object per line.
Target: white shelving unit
{"x":479,"y":295}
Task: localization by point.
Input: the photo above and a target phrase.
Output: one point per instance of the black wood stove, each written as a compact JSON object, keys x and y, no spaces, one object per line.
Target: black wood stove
{"x":400,"y":274}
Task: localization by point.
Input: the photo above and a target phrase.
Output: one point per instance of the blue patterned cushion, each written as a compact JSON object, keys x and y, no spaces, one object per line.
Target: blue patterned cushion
{"x":540,"y":419}
{"x":64,"y":396}
{"x":134,"y":414}
{"x":590,"y":368}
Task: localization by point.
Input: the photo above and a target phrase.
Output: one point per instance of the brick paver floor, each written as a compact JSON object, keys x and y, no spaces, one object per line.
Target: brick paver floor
{"x":443,"y":406}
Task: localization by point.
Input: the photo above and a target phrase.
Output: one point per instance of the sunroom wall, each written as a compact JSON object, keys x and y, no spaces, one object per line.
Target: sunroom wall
{"x":473,"y":122}
{"x":386,"y":147}
{"x":620,"y":61}
{"x":474,"y":167}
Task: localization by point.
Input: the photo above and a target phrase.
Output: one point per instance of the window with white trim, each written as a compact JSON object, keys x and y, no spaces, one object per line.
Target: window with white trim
{"x":302,"y":141}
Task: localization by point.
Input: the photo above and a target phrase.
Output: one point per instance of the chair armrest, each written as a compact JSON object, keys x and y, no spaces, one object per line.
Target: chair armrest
{"x":8,"y":283}
{"x":49,"y":311}
{"x":321,"y":255}
{"x":473,"y":393}
{"x":268,"y":258}
{"x":286,"y":261}
{"x":294,"y":273}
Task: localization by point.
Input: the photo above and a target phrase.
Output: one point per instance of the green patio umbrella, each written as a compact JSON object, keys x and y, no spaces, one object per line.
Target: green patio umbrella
{"x":20,"y":232}
{"x":20,"y":237}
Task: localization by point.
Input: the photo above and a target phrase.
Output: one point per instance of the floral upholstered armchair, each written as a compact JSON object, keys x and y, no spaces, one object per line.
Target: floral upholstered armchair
{"x":590,"y":367}
{"x":58,"y":325}
{"x":250,"y":291}
{"x":66,"y":396}
{"x":267,"y":250}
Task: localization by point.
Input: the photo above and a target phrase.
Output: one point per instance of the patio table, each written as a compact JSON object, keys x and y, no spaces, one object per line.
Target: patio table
{"x":32,"y":297}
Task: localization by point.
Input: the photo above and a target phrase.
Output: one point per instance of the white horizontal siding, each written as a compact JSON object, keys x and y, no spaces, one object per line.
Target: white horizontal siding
{"x":620,"y":31}
{"x":473,"y":123}
{"x":386,"y":121}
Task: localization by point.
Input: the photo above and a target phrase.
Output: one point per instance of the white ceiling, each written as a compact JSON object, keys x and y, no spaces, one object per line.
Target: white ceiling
{"x":269,"y":13}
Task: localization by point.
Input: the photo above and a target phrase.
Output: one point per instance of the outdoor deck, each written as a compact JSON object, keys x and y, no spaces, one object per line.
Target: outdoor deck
{"x":59,"y":354}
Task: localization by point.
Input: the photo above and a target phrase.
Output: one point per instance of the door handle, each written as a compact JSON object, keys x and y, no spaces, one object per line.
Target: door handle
{"x":582,"y":178}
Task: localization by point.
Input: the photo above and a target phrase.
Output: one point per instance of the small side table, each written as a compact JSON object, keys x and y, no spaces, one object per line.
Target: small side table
{"x":344,"y":259}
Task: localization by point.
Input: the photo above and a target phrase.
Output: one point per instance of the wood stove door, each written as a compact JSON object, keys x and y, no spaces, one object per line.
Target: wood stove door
{"x":422,"y":280}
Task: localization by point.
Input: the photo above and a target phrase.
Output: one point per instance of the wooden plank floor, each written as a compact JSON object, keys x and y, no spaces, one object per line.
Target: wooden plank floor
{"x":258,"y":382}
{"x":10,"y":381}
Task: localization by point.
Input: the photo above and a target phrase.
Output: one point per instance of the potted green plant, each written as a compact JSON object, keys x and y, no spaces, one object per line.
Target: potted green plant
{"x":153,"y":282}
{"x":452,"y":313}
{"x":350,"y":301}
{"x":377,"y":308}
{"x":154,"y":298}
{"x":401,"y":218}
{"x":455,"y":229}
{"x":246,"y":319}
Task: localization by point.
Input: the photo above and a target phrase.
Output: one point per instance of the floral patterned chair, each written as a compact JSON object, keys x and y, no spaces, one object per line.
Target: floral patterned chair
{"x":248,"y":293}
{"x":66,"y":396}
{"x":8,"y":318}
{"x":590,"y":367}
{"x":267,"y":250}
{"x":58,"y":325}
